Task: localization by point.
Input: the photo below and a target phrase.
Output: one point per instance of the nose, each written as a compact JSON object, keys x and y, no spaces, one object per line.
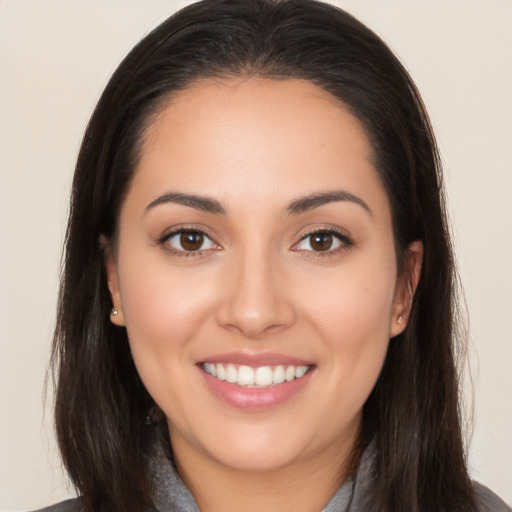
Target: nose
{"x":255,"y":298}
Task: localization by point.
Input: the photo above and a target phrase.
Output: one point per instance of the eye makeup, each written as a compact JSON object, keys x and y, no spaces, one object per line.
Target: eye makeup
{"x":323,"y":241}
{"x":191,"y":241}
{"x":188,"y":241}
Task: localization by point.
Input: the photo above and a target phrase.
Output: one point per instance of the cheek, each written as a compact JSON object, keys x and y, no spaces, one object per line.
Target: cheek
{"x":351,"y":312}
{"x":163,"y":308}
{"x":353,"y":305}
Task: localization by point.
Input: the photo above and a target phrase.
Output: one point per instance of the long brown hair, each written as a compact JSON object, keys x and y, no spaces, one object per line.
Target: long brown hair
{"x":413,"y":411}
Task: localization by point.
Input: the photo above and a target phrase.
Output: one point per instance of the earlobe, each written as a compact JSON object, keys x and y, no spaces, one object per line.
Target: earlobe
{"x":406,"y":288}
{"x":116,"y":314}
{"x":117,"y":317}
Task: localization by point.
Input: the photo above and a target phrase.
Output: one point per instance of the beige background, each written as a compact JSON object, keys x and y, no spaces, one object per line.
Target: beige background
{"x":56,"y":56}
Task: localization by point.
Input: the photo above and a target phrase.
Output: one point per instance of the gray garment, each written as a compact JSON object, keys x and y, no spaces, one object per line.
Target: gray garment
{"x":171,"y":494}
{"x":64,"y":506}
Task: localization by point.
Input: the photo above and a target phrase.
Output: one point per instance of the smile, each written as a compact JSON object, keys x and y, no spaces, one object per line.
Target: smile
{"x":259,"y":377}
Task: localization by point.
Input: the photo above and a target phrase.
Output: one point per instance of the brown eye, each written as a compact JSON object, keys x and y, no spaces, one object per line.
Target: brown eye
{"x":321,"y":241}
{"x":189,"y":240}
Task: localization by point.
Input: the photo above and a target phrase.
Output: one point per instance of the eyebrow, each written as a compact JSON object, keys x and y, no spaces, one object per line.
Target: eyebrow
{"x":301,"y":205}
{"x":312,"y":201}
{"x":205,"y":204}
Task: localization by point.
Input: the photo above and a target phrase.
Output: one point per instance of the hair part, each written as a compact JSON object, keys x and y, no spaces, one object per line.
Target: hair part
{"x":413,"y":412}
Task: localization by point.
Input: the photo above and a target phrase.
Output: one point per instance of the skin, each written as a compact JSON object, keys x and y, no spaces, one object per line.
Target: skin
{"x":255,"y":146}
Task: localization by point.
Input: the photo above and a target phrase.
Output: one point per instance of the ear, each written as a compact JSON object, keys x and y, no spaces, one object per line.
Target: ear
{"x":406,"y":286}
{"x":109,"y":258}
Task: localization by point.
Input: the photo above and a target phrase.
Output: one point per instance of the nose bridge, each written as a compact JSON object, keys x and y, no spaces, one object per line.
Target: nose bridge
{"x":255,"y":299}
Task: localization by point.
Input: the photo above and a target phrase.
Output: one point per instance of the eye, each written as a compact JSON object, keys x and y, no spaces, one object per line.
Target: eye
{"x":189,"y":240}
{"x":322,"y":241}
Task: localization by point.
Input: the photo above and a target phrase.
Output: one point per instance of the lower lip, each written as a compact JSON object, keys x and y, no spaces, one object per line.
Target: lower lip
{"x":255,"y":399}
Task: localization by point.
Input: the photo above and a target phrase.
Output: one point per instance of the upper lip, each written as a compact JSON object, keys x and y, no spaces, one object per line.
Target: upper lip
{"x":255,"y":359}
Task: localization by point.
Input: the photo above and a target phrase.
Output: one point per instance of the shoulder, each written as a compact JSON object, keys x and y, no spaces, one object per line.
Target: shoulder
{"x":65,"y":506}
{"x":488,"y":501}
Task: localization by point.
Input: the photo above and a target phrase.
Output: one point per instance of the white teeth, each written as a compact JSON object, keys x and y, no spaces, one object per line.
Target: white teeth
{"x":245,"y":376}
{"x":231,"y":374}
{"x":221,"y":372}
{"x":300,"y":371}
{"x":278,"y":375}
{"x":289,"y":374}
{"x":262,"y":376}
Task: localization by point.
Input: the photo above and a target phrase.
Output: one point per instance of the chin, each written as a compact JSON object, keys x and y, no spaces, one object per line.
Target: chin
{"x":266,"y":449}
{"x":256,"y":459}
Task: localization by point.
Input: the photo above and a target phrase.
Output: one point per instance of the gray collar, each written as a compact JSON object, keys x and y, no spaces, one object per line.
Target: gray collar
{"x":171,"y":494}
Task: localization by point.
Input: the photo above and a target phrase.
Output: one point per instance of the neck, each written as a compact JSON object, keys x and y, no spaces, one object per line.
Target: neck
{"x":302,"y":486}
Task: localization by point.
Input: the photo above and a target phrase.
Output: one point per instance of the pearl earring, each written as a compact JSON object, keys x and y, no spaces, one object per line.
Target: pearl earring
{"x":114,"y":311}
{"x":400,"y":319}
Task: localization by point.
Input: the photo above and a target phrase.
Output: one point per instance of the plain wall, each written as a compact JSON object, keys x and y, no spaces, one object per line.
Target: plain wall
{"x":57,"y":55}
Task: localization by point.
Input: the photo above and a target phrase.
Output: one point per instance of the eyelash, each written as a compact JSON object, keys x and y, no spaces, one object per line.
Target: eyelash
{"x":344,"y":240}
{"x":163,"y":241}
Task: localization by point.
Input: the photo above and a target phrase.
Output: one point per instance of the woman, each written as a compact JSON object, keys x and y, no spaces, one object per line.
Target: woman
{"x":257,"y":303}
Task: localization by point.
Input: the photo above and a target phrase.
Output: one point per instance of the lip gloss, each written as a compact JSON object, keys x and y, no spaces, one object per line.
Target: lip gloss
{"x":255,"y":399}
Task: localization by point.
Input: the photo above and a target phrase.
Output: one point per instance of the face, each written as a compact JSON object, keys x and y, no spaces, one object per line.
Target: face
{"x":255,"y":273}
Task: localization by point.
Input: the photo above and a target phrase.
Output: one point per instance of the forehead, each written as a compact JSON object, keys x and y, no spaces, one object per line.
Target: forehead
{"x":253,"y":110}
{"x":258,"y":140}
